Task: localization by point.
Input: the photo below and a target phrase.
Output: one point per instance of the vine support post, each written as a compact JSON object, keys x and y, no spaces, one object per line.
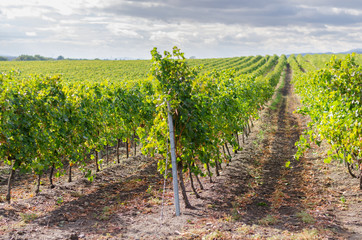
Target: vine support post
{"x":12,"y":171}
{"x":127,"y":148}
{"x":37,"y":190}
{"x":100,"y":157}
{"x":118,"y":145}
{"x":96,"y":160}
{"x":173,"y":160}
{"x":51,"y":176}
{"x":107,"y":154}
{"x":134,"y":143}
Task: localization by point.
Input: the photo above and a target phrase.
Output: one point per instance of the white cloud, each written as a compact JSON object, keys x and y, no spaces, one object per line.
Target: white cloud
{"x":333,"y":10}
{"x":49,"y":19}
{"x":28,"y":11}
{"x":124,"y":32}
{"x":347,"y":11}
{"x":23,"y":8}
{"x":31,"y":34}
{"x":209,"y":28}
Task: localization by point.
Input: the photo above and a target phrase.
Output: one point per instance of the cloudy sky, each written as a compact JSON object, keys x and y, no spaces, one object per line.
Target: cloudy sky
{"x":201,"y":28}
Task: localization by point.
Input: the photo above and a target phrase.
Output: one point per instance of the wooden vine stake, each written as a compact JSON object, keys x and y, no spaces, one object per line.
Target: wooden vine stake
{"x":173,"y":160}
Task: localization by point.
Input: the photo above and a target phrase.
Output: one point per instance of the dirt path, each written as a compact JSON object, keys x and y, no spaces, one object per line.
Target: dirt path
{"x":256,"y":196}
{"x":280,"y":192}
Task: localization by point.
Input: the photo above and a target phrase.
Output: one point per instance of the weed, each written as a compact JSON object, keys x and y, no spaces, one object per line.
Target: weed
{"x":211,"y":206}
{"x":268,"y":129}
{"x":257,"y":163}
{"x":149,"y":189}
{"x":262,"y":204}
{"x":257,"y":177}
{"x":246,"y":229}
{"x":343,"y":199}
{"x":155,"y":201}
{"x":28,"y":217}
{"x":256,"y":236}
{"x":287,"y":164}
{"x":276,"y":237}
{"x":76,"y":194}
{"x":236,"y":216}
{"x":306,"y":234}
{"x":278,"y":97}
{"x":60,"y":200}
{"x":268,"y":220}
{"x":106,"y":209}
{"x":305,"y":217}
{"x":276,"y":101}
{"x":261,"y":134}
{"x":106,"y":214}
{"x":228,"y":218}
{"x":213,"y":235}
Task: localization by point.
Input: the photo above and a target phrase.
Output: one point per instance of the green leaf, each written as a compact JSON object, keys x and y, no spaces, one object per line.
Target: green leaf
{"x":287,"y":164}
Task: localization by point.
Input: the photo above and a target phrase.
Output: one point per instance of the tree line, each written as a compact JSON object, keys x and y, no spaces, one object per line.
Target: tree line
{"x":24,"y":57}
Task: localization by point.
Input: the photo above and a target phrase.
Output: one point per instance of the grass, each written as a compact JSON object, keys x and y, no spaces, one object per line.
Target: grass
{"x":259,"y":138}
{"x":246,"y":229}
{"x":76,"y":194}
{"x":28,"y":217}
{"x":235,"y":215}
{"x":213,"y":235}
{"x":276,"y":101}
{"x":211,"y":206}
{"x":278,"y":98}
{"x":150,"y":190}
{"x":268,"y":220}
{"x":343,"y":199}
{"x":60,"y":200}
{"x":155,"y":201}
{"x":105,"y":215}
{"x":262,"y":204}
{"x":307,"y":234}
{"x":303,"y":235}
{"x":305,"y":217}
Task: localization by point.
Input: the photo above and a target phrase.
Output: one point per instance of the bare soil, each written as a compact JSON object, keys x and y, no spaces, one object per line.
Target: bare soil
{"x":255,"y":197}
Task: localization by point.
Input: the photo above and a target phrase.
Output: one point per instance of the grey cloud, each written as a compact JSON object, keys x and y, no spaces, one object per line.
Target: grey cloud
{"x":229,"y":12}
{"x":207,"y":28}
{"x":352,"y":4}
{"x":7,"y":35}
{"x":253,"y":13}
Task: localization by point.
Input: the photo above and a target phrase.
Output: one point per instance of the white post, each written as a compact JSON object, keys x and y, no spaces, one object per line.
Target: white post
{"x":173,"y":160}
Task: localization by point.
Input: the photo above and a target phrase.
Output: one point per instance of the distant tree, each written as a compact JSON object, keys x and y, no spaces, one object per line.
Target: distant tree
{"x":32,"y":58}
{"x":192,"y":57}
{"x":3,"y":58}
{"x":39,"y":58}
{"x":60,"y":57}
{"x":25,"y":58}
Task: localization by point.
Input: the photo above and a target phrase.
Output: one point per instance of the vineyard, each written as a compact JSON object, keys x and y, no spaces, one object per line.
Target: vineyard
{"x":91,"y":137}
